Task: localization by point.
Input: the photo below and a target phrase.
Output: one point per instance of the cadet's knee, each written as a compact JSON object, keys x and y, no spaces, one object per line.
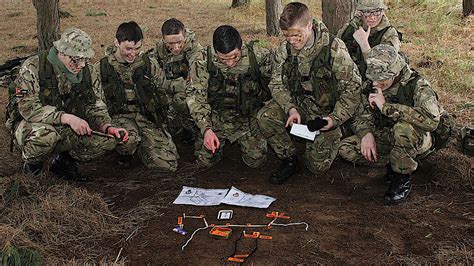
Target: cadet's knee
{"x":39,"y":141}
{"x":403,"y":134}
{"x":349,"y":148}
{"x":317,"y":167}
{"x":254,"y":161}
{"x":205,"y":158}
{"x":157,"y":163}
{"x":270,"y":119}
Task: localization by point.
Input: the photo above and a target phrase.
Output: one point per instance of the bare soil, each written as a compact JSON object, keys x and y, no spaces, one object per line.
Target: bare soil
{"x":348,"y":222}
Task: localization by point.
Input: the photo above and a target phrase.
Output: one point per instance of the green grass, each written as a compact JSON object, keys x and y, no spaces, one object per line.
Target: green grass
{"x":95,"y":13}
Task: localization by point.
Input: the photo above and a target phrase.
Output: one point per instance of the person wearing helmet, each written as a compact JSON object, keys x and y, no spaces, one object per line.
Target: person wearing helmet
{"x":369,"y":27}
{"x":396,"y":128}
{"x":57,"y":109}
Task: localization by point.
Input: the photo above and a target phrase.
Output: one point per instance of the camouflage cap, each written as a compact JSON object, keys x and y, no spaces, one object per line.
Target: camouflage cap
{"x":364,"y":5}
{"x":75,"y":42}
{"x":383,"y":62}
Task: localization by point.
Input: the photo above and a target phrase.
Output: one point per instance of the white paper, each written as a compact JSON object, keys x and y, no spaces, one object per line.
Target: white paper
{"x":200,"y":196}
{"x":240,"y":198}
{"x":303,"y":132}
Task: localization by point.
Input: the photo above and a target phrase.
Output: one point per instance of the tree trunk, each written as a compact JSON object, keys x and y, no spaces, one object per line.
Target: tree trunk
{"x":273,"y":9}
{"x":239,"y":3}
{"x":467,"y":7}
{"x":47,"y":23}
{"x":337,"y":12}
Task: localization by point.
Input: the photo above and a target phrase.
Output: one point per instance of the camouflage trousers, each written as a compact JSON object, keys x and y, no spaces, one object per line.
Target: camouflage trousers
{"x":178,"y":113}
{"x":247,"y":134}
{"x":153,"y":145}
{"x":400,"y":146}
{"x":320,"y":153}
{"x":37,"y":141}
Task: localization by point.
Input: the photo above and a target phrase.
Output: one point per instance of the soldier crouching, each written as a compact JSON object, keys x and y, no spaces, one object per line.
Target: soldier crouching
{"x":401,"y":123}
{"x":57,"y":109}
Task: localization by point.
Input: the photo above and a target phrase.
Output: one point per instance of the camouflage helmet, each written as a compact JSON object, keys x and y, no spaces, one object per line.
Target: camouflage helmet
{"x":75,"y":42}
{"x":364,"y":5}
{"x":383,"y":62}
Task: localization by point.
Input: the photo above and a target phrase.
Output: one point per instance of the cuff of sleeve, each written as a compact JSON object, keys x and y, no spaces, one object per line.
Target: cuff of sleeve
{"x":57,"y":118}
{"x":391,"y":111}
{"x":335,"y":120}
{"x":288,"y":107}
{"x":204,"y":126}
{"x":364,"y":132}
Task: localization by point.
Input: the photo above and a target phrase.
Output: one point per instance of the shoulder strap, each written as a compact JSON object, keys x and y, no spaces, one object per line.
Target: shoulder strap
{"x":254,"y":68}
{"x":47,"y":78}
{"x":147,"y":65}
{"x":405,"y":93}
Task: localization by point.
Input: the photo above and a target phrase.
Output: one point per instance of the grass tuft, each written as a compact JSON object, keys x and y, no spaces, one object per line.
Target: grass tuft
{"x":95,"y":13}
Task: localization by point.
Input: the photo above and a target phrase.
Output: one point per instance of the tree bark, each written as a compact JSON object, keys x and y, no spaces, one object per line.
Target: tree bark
{"x":273,"y":9}
{"x":239,"y":3}
{"x":337,"y":12}
{"x":47,"y":23}
{"x":467,"y":7}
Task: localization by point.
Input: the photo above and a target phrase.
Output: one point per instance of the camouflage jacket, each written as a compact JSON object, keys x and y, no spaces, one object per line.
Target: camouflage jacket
{"x":383,"y":33}
{"x":126,"y":71}
{"x":33,"y":111}
{"x":390,"y":36}
{"x":198,"y":87}
{"x":344,"y":70}
{"x":188,"y":55}
{"x":424,"y":114}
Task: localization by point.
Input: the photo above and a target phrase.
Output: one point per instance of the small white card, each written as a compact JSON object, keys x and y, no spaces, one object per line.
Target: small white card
{"x":303,"y":132}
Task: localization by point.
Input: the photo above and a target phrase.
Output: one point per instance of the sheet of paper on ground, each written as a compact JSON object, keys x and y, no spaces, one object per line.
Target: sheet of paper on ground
{"x":212,"y":197}
{"x":240,"y":198}
{"x":200,"y":196}
{"x":303,"y":132}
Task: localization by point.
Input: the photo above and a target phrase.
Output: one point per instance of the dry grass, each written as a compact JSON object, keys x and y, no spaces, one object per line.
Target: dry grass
{"x":62,"y":222}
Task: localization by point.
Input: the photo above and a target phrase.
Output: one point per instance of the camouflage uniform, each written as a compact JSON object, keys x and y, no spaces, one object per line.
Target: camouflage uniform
{"x":383,"y":33}
{"x":152,"y":142}
{"x":176,"y":69}
{"x":401,"y":130}
{"x":339,"y":100}
{"x":224,"y":116}
{"x":38,"y":132}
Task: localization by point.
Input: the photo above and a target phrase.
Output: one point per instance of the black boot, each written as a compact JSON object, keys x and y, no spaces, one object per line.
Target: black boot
{"x":188,"y":136}
{"x":64,"y":166}
{"x":288,"y":167}
{"x":389,"y":175}
{"x":399,"y":189}
{"x":124,"y":161}
{"x":33,"y":169}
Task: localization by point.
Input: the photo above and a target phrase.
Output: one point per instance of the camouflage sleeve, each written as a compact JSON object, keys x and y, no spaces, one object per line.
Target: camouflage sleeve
{"x":390,"y":37}
{"x":264,"y":60}
{"x":158,"y":74}
{"x":30,"y":106}
{"x":363,"y":122}
{"x":426,"y":111}
{"x":279,"y":92}
{"x":196,"y":90}
{"x":348,"y":83}
{"x":97,"y":114}
{"x":195,"y":52}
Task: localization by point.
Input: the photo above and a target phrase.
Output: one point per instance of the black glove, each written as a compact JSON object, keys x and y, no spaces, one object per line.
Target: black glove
{"x":316,"y":124}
